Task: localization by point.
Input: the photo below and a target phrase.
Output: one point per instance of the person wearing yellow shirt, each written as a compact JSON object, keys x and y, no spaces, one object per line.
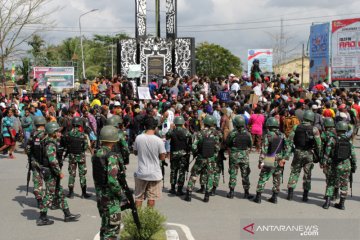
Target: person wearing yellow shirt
{"x":96,"y":101}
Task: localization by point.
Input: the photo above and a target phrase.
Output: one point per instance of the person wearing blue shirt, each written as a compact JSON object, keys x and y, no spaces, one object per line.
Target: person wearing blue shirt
{"x":7,"y":125}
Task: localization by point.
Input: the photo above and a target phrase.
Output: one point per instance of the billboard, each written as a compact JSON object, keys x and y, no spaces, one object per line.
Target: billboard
{"x":265,"y":56}
{"x":346,"y":50}
{"x":319,"y":52}
{"x":58,"y":77}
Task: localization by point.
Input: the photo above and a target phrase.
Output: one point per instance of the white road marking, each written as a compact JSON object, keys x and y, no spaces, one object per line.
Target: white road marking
{"x":185,"y":229}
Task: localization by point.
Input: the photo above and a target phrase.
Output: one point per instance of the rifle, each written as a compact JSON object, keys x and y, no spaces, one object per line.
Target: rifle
{"x":282,"y":175}
{"x":163,"y":165}
{"x":187,"y":163}
{"x":351,"y":181}
{"x":131,"y":203}
{"x":28,"y":175}
{"x":221,"y":158}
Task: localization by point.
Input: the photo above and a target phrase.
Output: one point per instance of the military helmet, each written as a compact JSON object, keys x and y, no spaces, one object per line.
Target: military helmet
{"x":329,"y":122}
{"x":272,"y":122}
{"x":39,"y":120}
{"x":309,"y":116}
{"x":76,"y":122}
{"x":239,"y":121}
{"x":209,"y":121}
{"x":109,"y":134}
{"x":179,"y":121}
{"x":342,"y":126}
{"x":114,"y":121}
{"x":52,"y":127}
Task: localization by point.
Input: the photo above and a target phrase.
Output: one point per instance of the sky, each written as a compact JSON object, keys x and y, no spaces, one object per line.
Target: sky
{"x":237,"y":25}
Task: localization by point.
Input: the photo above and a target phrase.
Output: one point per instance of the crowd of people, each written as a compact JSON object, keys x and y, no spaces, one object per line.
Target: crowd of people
{"x":208,"y":118}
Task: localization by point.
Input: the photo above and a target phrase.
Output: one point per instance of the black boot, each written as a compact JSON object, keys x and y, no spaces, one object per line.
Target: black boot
{"x":341,"y":204}
{"x":247,"y":194}
{"x":305,"y":196}
{"x":336,"y":194}
{"x":180,"y":191}
{"x":43,"y":220}
{"x":327,"y":203}
{"x":71,"y":193}
{"x":273,"y":198}
{"x":290,"y":194}
{"x":213,"y":191}
{"x":206,"y":197}
{"x":172,"y":190}
{"x":84,"y":193}
{"x":188,"y":196}
{"x":202,"y":189}
{"x":230,"y":194}
{"x":258,"y":197}
{"x":69,"y":217}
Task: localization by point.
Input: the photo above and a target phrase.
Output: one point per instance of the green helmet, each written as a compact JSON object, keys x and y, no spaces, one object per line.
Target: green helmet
{"x":114,"y":121}
{"x":342,"y":126}
{"x":109,"y":134}
{"x":76,"y":122}
{"x":209,"y":121}
{"x":329,"y":122}
{"x":309,"y":116}
{"x":272,"y":122}
{"x":52,"y":127}
{"x":39,"y":120}
{"x":179,"y":121}
{"x":239,"y":121}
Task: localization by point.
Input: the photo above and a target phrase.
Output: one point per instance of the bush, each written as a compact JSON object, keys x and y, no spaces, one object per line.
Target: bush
{"x":152,"y":225}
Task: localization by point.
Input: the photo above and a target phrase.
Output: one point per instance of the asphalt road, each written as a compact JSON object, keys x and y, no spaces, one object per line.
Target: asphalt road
{"x":221,"y":218}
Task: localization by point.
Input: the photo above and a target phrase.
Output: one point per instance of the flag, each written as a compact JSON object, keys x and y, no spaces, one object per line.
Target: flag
{"x":13,"y":72}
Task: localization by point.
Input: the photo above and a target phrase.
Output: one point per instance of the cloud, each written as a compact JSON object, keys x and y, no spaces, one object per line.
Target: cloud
{"x":309,"y":3}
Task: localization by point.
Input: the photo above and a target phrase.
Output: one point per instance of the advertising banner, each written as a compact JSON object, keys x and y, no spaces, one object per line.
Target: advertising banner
{"x":265,"y":57}
{"x":319,"y":52}
{"x":58,"y":77}
{"x":346,"y":50}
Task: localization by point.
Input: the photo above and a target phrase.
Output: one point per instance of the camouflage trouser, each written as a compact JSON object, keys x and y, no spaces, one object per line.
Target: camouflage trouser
{"x":51,"y":193}
{"x":110,"y":213}
{"x":74,"y":161}
{"x":207,"y":165}
{"x":302,"y":160}
{"x":234,"y":165}
{"x":217,"y":175}
{"x":178,"y":165}
{"x":265,"y":175}
{"x":38,"y":184}
{"x":340,"y":178}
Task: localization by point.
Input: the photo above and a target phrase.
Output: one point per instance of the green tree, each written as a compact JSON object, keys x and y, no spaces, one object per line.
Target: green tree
{"x":213,"y":60}
{"x":36,"y":43}
{"x":24,"y":70}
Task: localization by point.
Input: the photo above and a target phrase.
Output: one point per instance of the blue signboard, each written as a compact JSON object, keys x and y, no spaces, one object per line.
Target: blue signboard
{"x":319,"y":52}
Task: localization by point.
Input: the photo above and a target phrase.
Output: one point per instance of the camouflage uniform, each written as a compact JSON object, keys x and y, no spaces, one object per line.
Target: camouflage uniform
{"x":77,"y":160}
{"x":238,"y":159}
{"x":338,"y":170}
{"x":275,"y":172}
{"x":328,"y":169}
{"x":179,"y":160}
{"x":36,"y":175}
{"x":52,"y":178}
{"x":109,"y":196}
{"x":124,"y":147}
{"x":202,"y":163}
{"x":303,"y":159}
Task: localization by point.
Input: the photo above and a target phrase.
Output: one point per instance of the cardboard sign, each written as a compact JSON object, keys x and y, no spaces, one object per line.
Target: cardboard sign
{"x":134,"y":71}
{"x":144,"y":93}
{"x":254,"y":99}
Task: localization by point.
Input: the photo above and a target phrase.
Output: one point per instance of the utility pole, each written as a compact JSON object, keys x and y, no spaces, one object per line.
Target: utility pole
{"x":282,"y":37}
{"x":112,"y":60}
{"x":302,"y":64}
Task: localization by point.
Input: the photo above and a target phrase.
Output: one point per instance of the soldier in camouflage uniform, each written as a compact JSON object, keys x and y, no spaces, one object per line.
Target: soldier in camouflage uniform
{"x":341,"y":159}
{"x":33,"y":150}
{"x":205,"y":147}
{"x":107,"y":166}
{"x":52,"y":175}
{"x":272,"y":160}
{"x":121,"y":146}
{"x":76,"y":146}
{"x":325,"y":137}
{"x":180,"y":147}
{"x":306,"y":139}
{"x":240,"y":143}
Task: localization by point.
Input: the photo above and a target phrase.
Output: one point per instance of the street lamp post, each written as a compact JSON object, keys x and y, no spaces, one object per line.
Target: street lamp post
{"x":81,"y":42}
